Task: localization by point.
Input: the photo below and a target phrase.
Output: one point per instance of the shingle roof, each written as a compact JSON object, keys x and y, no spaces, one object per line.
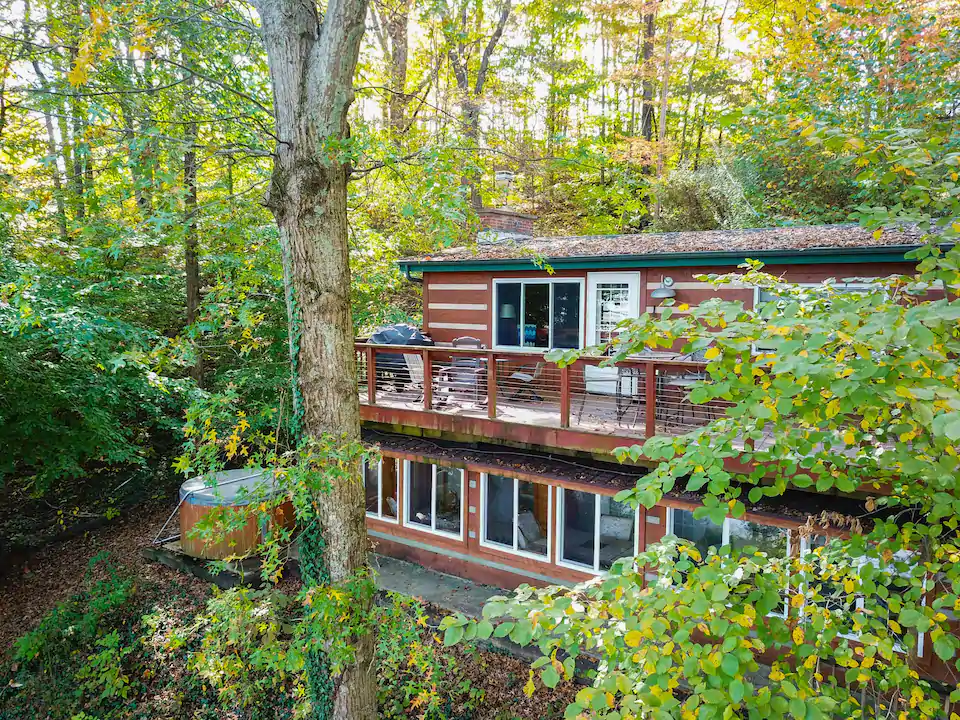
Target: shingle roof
{"x":790,"y":239}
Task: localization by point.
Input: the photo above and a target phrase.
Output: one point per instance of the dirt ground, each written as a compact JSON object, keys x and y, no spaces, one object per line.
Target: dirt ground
{"x":52,"y":574}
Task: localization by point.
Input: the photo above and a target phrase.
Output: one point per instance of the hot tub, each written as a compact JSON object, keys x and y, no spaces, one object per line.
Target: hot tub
{"x":199,"y":496}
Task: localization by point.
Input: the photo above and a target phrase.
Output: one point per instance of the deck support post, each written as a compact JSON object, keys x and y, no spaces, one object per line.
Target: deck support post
{"x":650,"y":389}
{"x":491,"y":385}
{"x":427,"y":379}
{"x":565,"y":396}
{"x":371,"y":376}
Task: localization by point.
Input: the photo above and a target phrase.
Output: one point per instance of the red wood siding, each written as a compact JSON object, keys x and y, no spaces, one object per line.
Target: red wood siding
{"x":461,"y":303}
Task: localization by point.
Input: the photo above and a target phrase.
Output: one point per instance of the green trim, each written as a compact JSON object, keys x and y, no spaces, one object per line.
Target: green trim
{"x":892,"y":253}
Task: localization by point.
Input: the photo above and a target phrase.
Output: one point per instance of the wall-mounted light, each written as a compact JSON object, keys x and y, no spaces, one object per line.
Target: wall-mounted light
{"x":665,"y":290}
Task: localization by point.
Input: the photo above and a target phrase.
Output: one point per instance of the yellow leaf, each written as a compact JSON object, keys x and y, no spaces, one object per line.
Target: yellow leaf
{"x":713,"y":352}
{"x":633,"y":638}
{"x":798,"y":635}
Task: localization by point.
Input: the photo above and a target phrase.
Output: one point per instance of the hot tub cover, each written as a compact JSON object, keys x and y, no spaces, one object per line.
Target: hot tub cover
{"x":230,"y":487}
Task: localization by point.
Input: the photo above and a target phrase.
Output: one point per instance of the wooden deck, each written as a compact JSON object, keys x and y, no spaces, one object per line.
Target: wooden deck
{"x":486,"y":393}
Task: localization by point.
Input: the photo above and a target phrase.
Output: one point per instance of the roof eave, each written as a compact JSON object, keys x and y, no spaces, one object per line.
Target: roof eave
{"x":887,"y":253}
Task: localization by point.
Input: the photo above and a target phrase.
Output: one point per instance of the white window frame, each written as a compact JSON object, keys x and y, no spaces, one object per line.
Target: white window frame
{"x":864,"y":285}
{"x":407,"y":474}
{"x":595,"y":570}
{"x":379,"y":514}
{"x":725,"y":540}
{"x":859,"y":604}
{"x":535,"y":281}
{"x":515,"y":550}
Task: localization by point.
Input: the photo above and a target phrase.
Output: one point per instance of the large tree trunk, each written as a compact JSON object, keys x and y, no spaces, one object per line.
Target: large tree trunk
{"x":312,"y":66}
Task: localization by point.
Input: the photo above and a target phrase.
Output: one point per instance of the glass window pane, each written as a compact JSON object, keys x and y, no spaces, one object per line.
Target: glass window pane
{"x":536,"y":315}
{"x":499,"y":510}
{"x":702,"y":533}
{"x":766,"y":538}
{"x":508,"y":314}
{"x":388,"y":487}
{"x":613,"y":305}
{"x":532,"y":517}
{"x":579,"y":525}
{"x":420,"y":487}
{"x":566,"y":315}
{"x":617,"y":525}
{"x":448,"y":500}
{"x":370,"y":486}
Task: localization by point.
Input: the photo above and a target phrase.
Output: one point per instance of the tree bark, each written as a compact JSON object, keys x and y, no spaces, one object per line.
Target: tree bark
{"x":190,"y":209}
{"x":646,"y":114}
{"x":312,"y":65}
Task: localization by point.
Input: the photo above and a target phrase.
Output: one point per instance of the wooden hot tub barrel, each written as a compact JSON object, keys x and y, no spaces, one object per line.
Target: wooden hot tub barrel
{"x":234,"y":489}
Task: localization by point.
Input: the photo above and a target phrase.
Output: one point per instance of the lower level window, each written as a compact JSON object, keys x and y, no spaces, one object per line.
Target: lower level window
{"x":380,"y":488}
{"x":434,"y":498}
{"x":739,"y":534}
{"x":595,"y":530}
{"x":703,"y":533}
{"x":515,"y":515}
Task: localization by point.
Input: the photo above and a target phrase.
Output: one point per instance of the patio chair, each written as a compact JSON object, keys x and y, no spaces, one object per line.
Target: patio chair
{"x":464,"y":375}
{"x":416,"y":371}
{"x":524,"y":382}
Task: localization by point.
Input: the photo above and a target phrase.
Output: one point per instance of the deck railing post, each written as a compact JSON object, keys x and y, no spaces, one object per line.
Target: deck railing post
{"x":650,"y":389}
{"x":491,"y":385}
{"x":565,"y":396}
{"x":427,"y":379}
{"x":371,"y":376}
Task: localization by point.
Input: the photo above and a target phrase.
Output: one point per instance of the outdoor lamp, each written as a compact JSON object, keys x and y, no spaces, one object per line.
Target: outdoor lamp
{"x":665,"y":290}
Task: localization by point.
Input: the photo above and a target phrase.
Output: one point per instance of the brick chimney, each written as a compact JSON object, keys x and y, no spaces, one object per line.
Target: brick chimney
{"x":503,"y":222}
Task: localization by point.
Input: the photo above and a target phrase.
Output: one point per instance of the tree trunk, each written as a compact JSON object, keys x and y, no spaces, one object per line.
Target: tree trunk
{"x":54,"y":153}
{"x":191,"y":257}
{"x":664,"y":97}
{"x":646,"y":114}
{"x":311,"y":67}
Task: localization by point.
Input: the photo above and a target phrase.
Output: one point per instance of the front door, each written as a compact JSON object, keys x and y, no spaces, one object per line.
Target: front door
{"x":611,"y":297}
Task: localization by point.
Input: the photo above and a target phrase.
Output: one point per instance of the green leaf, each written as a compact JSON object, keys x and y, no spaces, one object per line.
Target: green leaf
{"x":730,"y":665}
{"x":943,"y":647}
{"x":736,"y":690}
{"x":453,"y":635}
{"x":550,"y":676}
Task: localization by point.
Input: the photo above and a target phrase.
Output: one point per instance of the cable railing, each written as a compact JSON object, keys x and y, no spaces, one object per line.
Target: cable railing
{"x":636,"y":397}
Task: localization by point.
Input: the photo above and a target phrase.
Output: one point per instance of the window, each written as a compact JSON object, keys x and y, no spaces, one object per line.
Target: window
{"x":739,"y":534}
{"x":595,"y":530}
{"x":537,"y":313}
{"x":433,"y":498}
{"x":515,"y":515}
{"x":380,"y":486}
{"x":772,"y":540}
{"x":839,"y":602}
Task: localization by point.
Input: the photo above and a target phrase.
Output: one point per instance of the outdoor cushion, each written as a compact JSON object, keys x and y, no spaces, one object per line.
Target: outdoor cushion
{"x":618,"y":528}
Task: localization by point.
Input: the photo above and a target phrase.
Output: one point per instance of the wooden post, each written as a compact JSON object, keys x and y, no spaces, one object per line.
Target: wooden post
{"x":491,"y":385}
{"x":651,"y":399}
{"x":565,"y":396}
{"x":427,"y":379}
{"x":371,"y":376}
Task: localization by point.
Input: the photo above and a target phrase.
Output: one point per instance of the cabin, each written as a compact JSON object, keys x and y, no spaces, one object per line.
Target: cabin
{"x":497,"y":465}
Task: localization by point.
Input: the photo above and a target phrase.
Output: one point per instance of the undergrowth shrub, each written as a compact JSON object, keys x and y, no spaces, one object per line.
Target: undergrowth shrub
{"x":417,"y":675}
{"x":77,"y":659}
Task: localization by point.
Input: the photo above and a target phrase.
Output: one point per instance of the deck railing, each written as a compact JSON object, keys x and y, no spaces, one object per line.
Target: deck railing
{"x":520,"y":386}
